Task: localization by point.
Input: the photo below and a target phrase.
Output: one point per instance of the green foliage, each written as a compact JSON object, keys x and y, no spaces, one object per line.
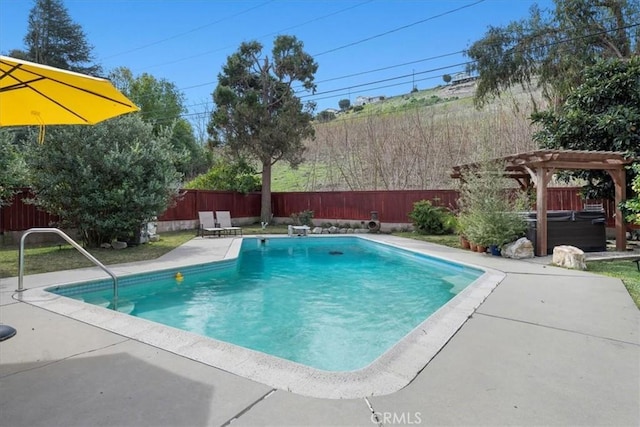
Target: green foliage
{"x":105,"y":180}
{"x":227,"y":176}
{"x":303,"y":218}
{"x":258,"y":115}
{"x":446,"y":78}
{"x":193,"y":158}
{"x":162,"y":104}
{"x":603,"y":114}
{"x":13,"y":173}
{"x":488,"y":209}
{"x":344,"y":104}
{"x":551,"y":48}
{"x":429,"y":219}
{"x":54,"y":39}
{"x":325,"y":116}
{"x":631,"y":207}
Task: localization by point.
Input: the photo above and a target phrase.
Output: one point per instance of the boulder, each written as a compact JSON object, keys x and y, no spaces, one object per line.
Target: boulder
{"x":317,"y":230}
{"x":520,"y":249}
{"x":105,"y":245}
{"x":333,"y":230}
{"x":342,"y":231}
{"x":118,"y":245}
{"x":569,"y":257}
{"x":154,"y":238}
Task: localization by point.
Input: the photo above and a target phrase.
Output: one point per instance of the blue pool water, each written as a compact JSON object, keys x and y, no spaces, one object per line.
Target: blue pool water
{"x":330,"y":303}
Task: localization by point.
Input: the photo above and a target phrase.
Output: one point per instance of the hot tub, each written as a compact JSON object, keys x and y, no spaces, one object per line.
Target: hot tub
{"x":582,"y":229}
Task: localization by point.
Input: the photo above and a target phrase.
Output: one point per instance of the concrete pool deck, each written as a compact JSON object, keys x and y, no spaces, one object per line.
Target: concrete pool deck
{"x":549,"y":346}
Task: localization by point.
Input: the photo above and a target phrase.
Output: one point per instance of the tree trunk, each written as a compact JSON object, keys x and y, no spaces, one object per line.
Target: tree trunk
{"x":265,"y":211}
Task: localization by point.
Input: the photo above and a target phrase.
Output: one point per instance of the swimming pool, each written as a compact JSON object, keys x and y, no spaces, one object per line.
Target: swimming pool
{"x":390,"y":372}
{"x":335,"y":304}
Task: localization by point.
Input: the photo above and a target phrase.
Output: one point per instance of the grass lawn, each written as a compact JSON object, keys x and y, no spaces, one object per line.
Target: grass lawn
{"x":45,"y":258}
{"x":622,"y":269}
{"x":451,"y":240}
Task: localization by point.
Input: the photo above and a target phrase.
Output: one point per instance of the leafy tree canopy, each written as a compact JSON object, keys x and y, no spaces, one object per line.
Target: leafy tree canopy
{"x":227,"y":175}
{"x":552,"y":48}
{"x":105,"y":180}
{"x":603,"y":113}
{"x":54,"y":39}
{"x":162,"y":105}
{"x":325,"y":116}
{"x":258,"y":115}
{"x":344,"y":104}
{"x":13,"y":172}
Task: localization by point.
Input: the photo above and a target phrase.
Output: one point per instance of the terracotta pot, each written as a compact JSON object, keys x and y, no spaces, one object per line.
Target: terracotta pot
{"x":473,"y":246}
{"x":481,"y":249}
{"x":464,"y":243}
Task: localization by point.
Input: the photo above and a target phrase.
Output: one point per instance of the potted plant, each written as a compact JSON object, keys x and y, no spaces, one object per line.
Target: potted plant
{"x":489,"y":208}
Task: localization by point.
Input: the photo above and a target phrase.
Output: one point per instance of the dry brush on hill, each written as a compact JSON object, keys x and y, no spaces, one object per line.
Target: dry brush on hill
{"x":416,"y":148}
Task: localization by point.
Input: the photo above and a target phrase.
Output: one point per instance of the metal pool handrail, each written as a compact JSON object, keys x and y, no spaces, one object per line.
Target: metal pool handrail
{"x":72,"y":243}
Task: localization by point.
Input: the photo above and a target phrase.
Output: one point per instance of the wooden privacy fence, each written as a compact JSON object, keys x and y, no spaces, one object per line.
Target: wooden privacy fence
{"x":392,"y":206}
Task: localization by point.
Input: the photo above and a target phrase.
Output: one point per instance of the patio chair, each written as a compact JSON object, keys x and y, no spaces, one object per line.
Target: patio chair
{"x":224,"y":219}
{"x":208,"y":224}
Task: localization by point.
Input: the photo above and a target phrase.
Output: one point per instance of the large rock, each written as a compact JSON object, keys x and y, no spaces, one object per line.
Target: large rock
{"x":569,"y":257}
{"x":118,"y":245}
{"x":317,"y":230}
{"x":521,"y":248}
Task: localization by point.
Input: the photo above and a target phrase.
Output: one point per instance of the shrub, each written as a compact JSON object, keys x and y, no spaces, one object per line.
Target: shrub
{"x":226,"y":175}
{"x":303,"y":218}
{"x":631,"y":207}
{"x":105,"y":180}
{"x":429,"y":219}
{"x":488,"y":208}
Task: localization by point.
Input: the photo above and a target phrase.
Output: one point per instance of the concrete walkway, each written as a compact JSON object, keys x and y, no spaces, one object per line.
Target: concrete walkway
{"x":548,"y":347}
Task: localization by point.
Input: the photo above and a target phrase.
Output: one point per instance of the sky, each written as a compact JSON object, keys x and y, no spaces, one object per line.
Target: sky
{"x":362,"y":47}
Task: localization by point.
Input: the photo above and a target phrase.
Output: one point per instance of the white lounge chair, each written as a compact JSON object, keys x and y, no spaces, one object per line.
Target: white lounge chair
{"x":208,"y":224}
{"x":224,"y":219}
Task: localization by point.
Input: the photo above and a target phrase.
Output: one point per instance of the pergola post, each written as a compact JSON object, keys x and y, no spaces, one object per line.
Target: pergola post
{"x":620,"y":182}
{"x":543,"y":175}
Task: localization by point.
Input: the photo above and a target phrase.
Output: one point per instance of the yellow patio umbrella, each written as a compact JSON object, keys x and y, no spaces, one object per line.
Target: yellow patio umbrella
{"x":36,"y":94}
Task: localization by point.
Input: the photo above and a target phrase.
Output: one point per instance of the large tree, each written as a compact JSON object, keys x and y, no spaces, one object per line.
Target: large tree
{"x":54,"y":39}
{"x":162,"y":105}
{"x":602,"y":114}
{"x":13,"y":172}
{"x":104,"y":180}
{"x":551,"y":48}
{"x":258,"y":114}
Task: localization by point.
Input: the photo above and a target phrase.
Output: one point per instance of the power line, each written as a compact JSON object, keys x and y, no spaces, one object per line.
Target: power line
{"x":193,"y":30}
{"x":348,"y":75}
{"x":348,"y":88}
{"x":262,"y":36}
{"x":385,"y":80}
{"x":404,"y":27}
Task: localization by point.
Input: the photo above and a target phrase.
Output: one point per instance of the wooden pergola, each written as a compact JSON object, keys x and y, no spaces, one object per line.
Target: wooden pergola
{"x":537,"y":168}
